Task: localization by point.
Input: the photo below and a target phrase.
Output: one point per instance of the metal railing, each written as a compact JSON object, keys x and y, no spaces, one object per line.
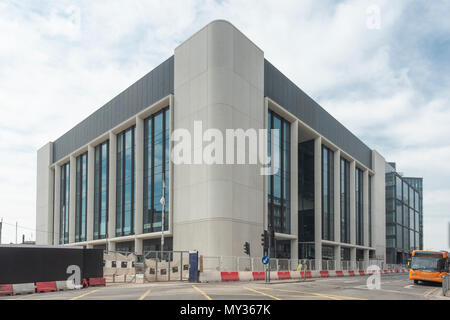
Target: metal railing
{"x":232,"y":263}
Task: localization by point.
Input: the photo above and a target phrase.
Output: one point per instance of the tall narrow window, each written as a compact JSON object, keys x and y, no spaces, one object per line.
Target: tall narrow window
{"x":64,"y":204}
{"x":370,"y":210}
{"x":327,"y":194}
{"x":101,"y":190}
{"x":156,"y":166}
{"x":345,"y":201}
{"x":359,"y":213}
{"x":125,"y":191}
{"x":81,"y":198}
{"x":279,"y":183}
{"x":306,"y":200}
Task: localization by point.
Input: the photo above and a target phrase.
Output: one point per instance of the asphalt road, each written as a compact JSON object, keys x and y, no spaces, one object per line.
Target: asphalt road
{"x":393,"y":287}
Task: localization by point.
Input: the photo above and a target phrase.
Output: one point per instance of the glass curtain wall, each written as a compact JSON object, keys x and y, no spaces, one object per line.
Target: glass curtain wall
{"x":279,"y":183}
{"x":64,"y":204}
{"x":370,"y":211}
{"x":345,"y":201}
{"x":306,"y":199}
{"x":359,"y":213}
{"x":101,"y":190}
{"x":125,"y":192}
{"x":327,"y":194}
{"x":156,"y":168}
{"x":81,"y":198}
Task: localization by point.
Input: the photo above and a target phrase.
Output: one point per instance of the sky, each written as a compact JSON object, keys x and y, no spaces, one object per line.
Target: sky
{"x":382,"y":68}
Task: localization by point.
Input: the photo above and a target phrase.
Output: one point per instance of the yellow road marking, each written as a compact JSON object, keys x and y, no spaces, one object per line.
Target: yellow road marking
{"x":262,"y":293}
{"x":85,"y":294}
{"x":329,"y":296}
{"x":202,"y":292}
{"x":430,"y":292}
{"x":144,"y":295}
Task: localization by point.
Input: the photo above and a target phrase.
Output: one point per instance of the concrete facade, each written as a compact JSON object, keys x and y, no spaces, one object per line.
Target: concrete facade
{"x":220,"y":78}
{"x":219,"y":81}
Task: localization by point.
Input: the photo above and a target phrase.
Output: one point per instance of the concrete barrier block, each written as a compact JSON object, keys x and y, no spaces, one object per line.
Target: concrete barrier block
{"x":61,"y":285}
{"x":23,"y":288}
{"x":210,"y":276}
{"x":295,"y":274}
{"x":140,"y":279}
{"x":246,"y":276}
{"x":274,"y":275}
{"x":66,"y":285}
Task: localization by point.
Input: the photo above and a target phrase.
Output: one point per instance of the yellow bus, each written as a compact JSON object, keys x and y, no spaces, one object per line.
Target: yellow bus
{"x":428,"y":266}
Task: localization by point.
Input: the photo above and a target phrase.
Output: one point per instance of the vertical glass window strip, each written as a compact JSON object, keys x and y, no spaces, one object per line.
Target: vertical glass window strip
{"x":345,"y":201}
{"x":398,"y":188}
{"x":64,"y":204}
{"x":156,"y":166}
{"x":327,"y":194}
{"x":279,"y":183}
{"x":81,"y":198}
{"x":101,"y":190}
{"x":125,"y":190}
{"x":370,"y":210}
{"x":306,"y":199}
{"x":405,"y":193}
{"x":359,"y":207}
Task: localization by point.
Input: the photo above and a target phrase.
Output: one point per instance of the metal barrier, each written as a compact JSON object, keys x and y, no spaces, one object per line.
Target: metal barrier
{"x":232,"y":263}
{"x":446,"y":285}
{"x":174,"y":265}
{"x":152,"y":266}
{"x":119,"y":266}
{"x":166,"y":265}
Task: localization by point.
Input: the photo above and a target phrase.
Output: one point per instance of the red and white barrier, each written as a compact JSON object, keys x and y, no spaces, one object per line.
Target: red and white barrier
{"x":339,"y":273}
{"x":229,"y":276}
{"x":284,"y":275}
{"x":49,"y":286}
{"x":324,"y":274}
{"x":6,"y":289}
{"x":97,"y":282}
{"x":216,"y":276}
{"x":23,"y":288}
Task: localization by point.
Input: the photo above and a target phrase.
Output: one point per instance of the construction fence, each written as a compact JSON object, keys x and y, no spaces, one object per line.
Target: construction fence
{"x":129,"y":267}
{"x":229,"y":264}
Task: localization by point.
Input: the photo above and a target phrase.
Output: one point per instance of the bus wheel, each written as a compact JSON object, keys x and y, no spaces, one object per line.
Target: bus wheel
{"x":416,"y":281}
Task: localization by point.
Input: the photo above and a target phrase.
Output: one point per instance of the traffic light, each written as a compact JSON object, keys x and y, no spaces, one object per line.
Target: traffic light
{"x":272,"y":237}
{"x":265,"y":240}
{"x":247,"y":248}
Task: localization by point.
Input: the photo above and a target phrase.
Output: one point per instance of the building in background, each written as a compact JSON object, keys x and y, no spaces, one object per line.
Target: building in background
{"x":404,"y":215}
{"x":100,"y":184}
{"x":417,"y":183}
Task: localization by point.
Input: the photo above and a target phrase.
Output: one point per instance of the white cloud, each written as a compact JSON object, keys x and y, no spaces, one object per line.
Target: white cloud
{"x":61,"y":60}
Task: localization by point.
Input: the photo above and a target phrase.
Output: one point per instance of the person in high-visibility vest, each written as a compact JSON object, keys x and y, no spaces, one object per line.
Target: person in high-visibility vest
{"x":299,"y":267}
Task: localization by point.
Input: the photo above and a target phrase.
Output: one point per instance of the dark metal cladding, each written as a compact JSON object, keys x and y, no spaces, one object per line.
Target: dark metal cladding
{"x":31,"y":263}
{"x":284,"y":92}
{"x":151,"y":88}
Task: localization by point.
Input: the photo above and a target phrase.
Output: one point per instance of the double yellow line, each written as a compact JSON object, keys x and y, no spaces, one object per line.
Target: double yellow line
{"x":203,"y":293}
{"x":329,"y":296}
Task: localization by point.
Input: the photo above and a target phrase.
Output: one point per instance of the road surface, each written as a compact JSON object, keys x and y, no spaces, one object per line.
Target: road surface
{"x":393,"y":287}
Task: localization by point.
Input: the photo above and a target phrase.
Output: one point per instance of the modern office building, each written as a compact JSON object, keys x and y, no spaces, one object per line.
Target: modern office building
{"x":100,"y":184}
{"x":404,"y":215}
